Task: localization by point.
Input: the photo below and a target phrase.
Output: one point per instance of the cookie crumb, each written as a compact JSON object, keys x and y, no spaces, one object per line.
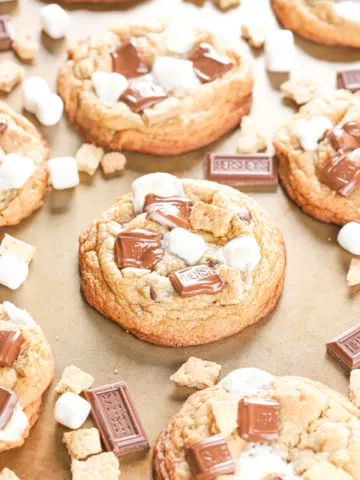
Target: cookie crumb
{"x":197,"y":373}
{"x":251,"y":140}
{"x":25,"y":46}
{"x":225,"y":415}
{"x":10,"y":75}
{"x":225,"y":4}
{"x":88,"y":158}
{"x":254,"y":34}
{"x":104,"y":465}
{"x":301,"y":90}
{"x":83,"y":443}
{"x":74,"y":380}
{"x":355,"y":387}
{"x":8,"y":474}
{"x":16,"y":248}
{"x":113,"y":162}
{"x":353,"y":276}
{"x":116,"y":370}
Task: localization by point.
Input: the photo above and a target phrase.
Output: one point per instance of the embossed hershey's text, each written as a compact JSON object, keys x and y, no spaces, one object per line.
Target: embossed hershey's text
{"x":243,"y":165}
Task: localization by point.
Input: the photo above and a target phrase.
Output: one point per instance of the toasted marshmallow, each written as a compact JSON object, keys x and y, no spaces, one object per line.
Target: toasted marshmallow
{"x":13,"y":271}
{"x":311,"y":131}
{"x":184,"y":244}
{"x":18,"y":315}
{"x":33,"y":89}
{"x":349,"y":237}
{"x":49,"y":109}
{"x":55,"y":21}
{"x":15,"y":171}
{"x":178,"y":38}
{"x":71,"y":410}
{"x":109,"y":87}
{"x":280,"y":51}
{"x":174,"y":73}
{"x":242,"y":253}
{"x":63,"y":172}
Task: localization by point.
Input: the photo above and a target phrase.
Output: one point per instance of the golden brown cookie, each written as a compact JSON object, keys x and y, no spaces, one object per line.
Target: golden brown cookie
{"x":318,"y":431}
{"x":177,"y":88}
{"x":323,"y":21}
{"x":318,"y":163}
{"x":137,"y":278}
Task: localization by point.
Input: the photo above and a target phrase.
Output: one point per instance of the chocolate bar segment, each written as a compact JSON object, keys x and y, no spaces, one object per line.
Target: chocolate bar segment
{"x":208,"y":64}
{"x":258,"y":419}
{"x":143,"y":93}
{"x":5,"y":33}
{"x":137,"y":248}
{"x":10,"y":344}
{"x":348,"y":79}
{"x":8,"y":400}
{"x":197,"y":280}
{"x":341,"y":174}
{"x":127,"y":60}
{"x":346,"y":348}
{"x":345,"y":137}
{"x":171,"y":212}
{"x":116,"y":417}
{"x":241,"y":169}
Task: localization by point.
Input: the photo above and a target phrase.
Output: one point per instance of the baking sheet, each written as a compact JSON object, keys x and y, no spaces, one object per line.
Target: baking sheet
{"x":316,"y":303}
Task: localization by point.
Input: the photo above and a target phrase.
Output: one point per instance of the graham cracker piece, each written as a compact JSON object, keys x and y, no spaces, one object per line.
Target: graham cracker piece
{"x":104,"y":465}
{"x":24,"y":45}
{"x":74,"y":380}
{"x":83,"y":443}
{"x":353,"y":276}
{"x":355,"y":387}
{"x":211,"y":218}
{"x":250,"y":140}
{"x":225,"y":4}
{"x":225,"y":414}
{"x":301,"y":90}
{"x":88,"y":158}
{"x":10,"y":75}
{"x":254,"y":33}
{"x":7,"y":474}
{"x":197,"y":373}
{"x":113,"y":162}
{"x":16,"y":248}
{"x":324,"y":471}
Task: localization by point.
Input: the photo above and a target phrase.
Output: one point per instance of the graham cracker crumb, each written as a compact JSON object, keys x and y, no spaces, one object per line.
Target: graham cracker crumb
{"x":251,"y":140}
{"x":324,"y":470}
{"x":301,"y":90}
{"x":113,"y":162}
{"x":355,"y":387}
{"x":74,"y":380}
{"x":88,"y":158}
{"x":16,"y":248}
{"x":105,"y":466}
{"x":25,"y":46}
{"x":8,"y":474}
{"x":10,"y":75}
{"x":353,"y":276}
{"x":225,"y":414}
{"x":225,"y":4}
{"x":254,"y":33}
{"x":83,"y":443}
{"x":197,"y":373}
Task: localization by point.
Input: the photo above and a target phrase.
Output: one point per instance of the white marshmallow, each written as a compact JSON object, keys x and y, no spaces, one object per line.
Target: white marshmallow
{"x":18,"y":315}
{"x":178,"y":38}
{"x":186,"y":245}
{"x":33,"y":89}
{"x":247,"y":381}
{"x":162,"y":184}
{"x":13,"y":430}
{"x":349,"y":237}
{"x":54,"y":21}
{"x":348,"y":10}
{"x":242,"y":252}
{"x":280,"y":51}
{"x":15,"y":170}
{"x":311,"y":131}
{"x":71,"y":410}
{"x":355,"y":155}
{"x":174,"y":73}
{"x":49,"y":109}
{"x":63,"y":172}
{"x":109,"y":87}
{"x":13,"y":271}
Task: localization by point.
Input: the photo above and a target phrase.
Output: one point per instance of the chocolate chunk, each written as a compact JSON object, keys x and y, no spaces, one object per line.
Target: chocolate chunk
{"x":10,"y":344}
{"x":152,"y":294}
{"x":341,"y":174}
{"x":5,"y":33}
{"x":171,"y":211}
{"x":198,"y":280}
{"x":346,"y":348}
{"x":210,"y":458}
{"x":208,"y":64}
{"x":137,"y":248}
{"x":258,"y":419}
{"x":345,"y":137}
{"x":3,"y":127}
{"x":116,"y":417}
{"x":143,"y":93}
{"x":241,"y":170}
{"x":348,"y":79}
{"x":8,"y":400}
{"x":127,"y":60}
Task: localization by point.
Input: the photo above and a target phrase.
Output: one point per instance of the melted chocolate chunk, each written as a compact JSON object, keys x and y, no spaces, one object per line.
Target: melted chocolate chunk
{"x":171,"y":211}
{"x":127,"y":60}
{"x":345,"y":137}
{"x":258,"y":419}
{"x":143,"y":93}
{"x":341,"y":174}
{"x":10,"y":344}
{"x":8,"y":400}
{"x":208,"y":64}
{"x":137,"y":248}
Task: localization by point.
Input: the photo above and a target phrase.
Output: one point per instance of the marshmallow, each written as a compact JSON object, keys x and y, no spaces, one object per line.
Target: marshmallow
{"x":13,"y":271}
{"x":18,"y":315}
{"x":109,"y":87}
{"x":14,"y":429}
{"x":49,"y":109}
{"x":33,"y":89}
{"x":71,"y":410}
{"x":242,"y":252}
{"x":247,"y":381}
{"x":63,"y":172}
{"x":15,"y":170}
{"x":355,"y":155}
{"x":174,"y":73}
{"x":348,"y":10}
{"x":311,"y":131}
{"x":186,"y":245}
{"x":280,"y":51}
{"x":54,"y":21}
{"x":162,"y":184}
{"x":349,"y":237}
{"x":178,"y":38}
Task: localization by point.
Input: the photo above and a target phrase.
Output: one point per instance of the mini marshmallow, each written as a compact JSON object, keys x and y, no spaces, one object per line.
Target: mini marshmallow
{"x":109,"y":87}
{"x":311,"y":131}
{"x":246,"y":381}
{"x":174,"y":73}
{"x":280,"y":51}
{"x":186,"y":245}
{"x":349,"y":237}
{"x":242,"y":252}
{"x":63,"y":172}
{"x":14,"y":429}
{"x":49,"y":109}
{"x":15,"y":170}
{"x":348,"y":10}
{"x":18,"y":315}
{"x":162,"y":184}
{"x":54,"y":21}
{"x":71,"y":410}
{"x":178,"y":38}
{"x":33,"y":89}
{"x":13,"y":271}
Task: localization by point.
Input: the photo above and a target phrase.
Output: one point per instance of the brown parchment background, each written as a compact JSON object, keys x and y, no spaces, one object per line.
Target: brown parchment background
{"x":316,"y":303}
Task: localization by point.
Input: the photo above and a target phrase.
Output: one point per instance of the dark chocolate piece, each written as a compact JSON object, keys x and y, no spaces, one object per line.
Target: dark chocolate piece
{"x":210,"y":458}
{"x":241,"y":169}
{"x":10,"y":344}
{"x":5,"y":33}
{"x":138,"y":248}
{"x":208,"y":63}
{"x":116,"y":417}
{"x":127,"y":60}
{"x":341,"y":174}
{"x":8,"y":400}
{"x":258,"y":419}
{"x":143,"y":93}
{"x":346,"y":348}
{"x":348,"y":79}
{"x":198,"y":280}
{"x":345,"y":137}
{"x":171,"y":211}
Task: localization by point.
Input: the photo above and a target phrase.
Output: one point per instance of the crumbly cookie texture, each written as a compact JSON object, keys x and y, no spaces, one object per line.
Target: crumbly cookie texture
{"x":318,"y":435}
{"x":16,"y":248}
{"x":298,"y":169}
{"x":318,"y":21}
{"x":145,"y":303}
{"x":187,"y":122}
{"x":74,"y":380}
{"x":355,"y":387}
{"x":197,"y":373}
{"x":83,"y":443}
{"x":105,"y":465}
{"x":7,"y":474}
{"x":10,"y":75}
{"x":251,"y":140}
{"x":353,"y":275}
{"x":301,"y":90}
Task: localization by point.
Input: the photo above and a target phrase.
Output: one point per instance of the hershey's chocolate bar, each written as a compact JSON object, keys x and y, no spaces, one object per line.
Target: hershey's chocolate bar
{"x":346,"y":348}
{"x":348,"y":79}
{"x":258,"y":419}
{"x":10,"y":344}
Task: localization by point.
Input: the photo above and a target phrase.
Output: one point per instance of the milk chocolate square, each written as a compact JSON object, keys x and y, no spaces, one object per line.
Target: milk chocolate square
{"x":8,"y":400}
{"x":171,"y":212}
{"x":346,"y":348}
{"x":258,"y":419}
{"x":5,"y":33}
{"x":197,"y":280}
{"x":137,"y":248}
{"x":341,"y":174}
{"x":127,"y":60}
{"x":208,"y":63}
{"x":143,"y":93}
{"x":10,"y":344}
{"x":348,"y":79}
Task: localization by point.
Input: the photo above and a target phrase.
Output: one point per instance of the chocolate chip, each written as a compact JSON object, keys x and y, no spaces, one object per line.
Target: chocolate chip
{"x":152,"y":294}
{"x":3,"y":127}
{"x":213,"y":262}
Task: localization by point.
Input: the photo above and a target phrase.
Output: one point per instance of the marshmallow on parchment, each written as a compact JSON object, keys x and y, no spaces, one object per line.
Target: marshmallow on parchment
{"x":109,"y":87}
{"x":33,"y":89}
{"x":174,"y":73}
{"x":242,"y":252}
{"x":18,"y":315}
{"x":71,"y":410}
{"x":63,"y":172}
{"x":22,"y":250}
{"x":280,"y":51}
{"x":15,"y":170}
{"x":309,"y":132}
{"x":349,"y":237}
{"x":162,"y":184}
{"x":184,"y":244}
{"x":49,"y":109}
{"x":178,"y":38}
{"x":54,"y":21}
{"x":13,"y":271}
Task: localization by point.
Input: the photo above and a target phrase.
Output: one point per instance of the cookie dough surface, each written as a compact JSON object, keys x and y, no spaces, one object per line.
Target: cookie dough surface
{"x":322,"y":21}
{"x":187,"y":119}
{"x":145,"y":303}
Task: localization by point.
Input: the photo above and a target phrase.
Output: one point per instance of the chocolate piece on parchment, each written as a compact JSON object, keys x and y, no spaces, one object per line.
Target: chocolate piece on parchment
{"x":137,"y":248}
{"x":171,"y":211}
{"x":197,"y":280}
{"x":143,"y":93}
{"x":208,"y":63}
{"x":346,"y":348}
{"x":5,"y":33}
{"x":10,"y":344}
{"x":8,"y":400}
{"x":127,"y":60}
{"x":258,"y":419}
{"x":348,"y":79}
